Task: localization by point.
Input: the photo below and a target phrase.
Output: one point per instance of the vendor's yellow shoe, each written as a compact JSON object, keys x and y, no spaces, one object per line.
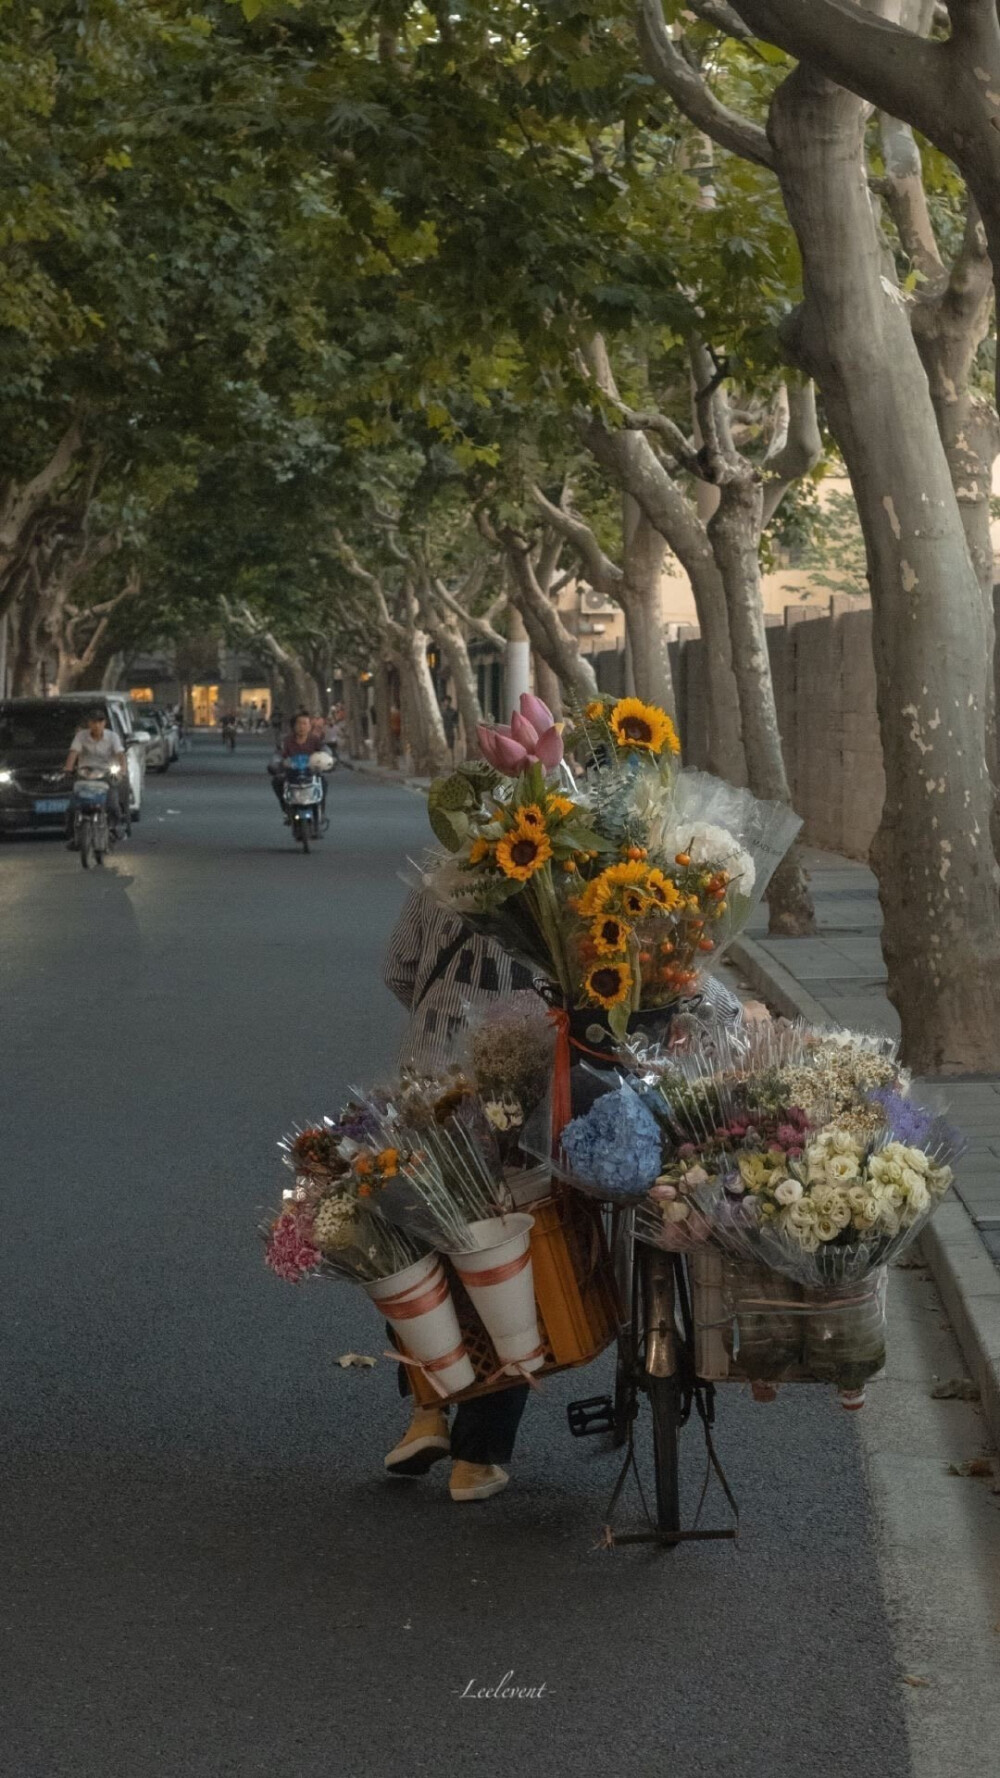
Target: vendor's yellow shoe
{"x":476,"y":1481}
{"x":424,"y":1442}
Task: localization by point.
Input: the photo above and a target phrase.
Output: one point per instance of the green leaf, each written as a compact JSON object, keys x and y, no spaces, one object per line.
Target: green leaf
{"x":450,"y":826}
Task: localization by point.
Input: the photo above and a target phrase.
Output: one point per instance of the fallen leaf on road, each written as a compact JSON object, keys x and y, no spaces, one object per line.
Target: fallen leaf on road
{"x":956,"y":1389}
{"x":914,"y":1679}
{"x":911,"y":1265}
{"x":976,"y":1466}
{"x":358,"y":1360}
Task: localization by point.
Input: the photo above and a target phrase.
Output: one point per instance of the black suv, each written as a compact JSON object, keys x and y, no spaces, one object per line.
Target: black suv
{"x":35,"y":737}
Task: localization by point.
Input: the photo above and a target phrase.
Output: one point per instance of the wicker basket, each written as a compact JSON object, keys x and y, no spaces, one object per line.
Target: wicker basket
{"x":574,"y":1292}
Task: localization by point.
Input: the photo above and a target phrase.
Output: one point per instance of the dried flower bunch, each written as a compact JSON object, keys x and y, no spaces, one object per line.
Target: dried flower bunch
{"x":329,"y":1224}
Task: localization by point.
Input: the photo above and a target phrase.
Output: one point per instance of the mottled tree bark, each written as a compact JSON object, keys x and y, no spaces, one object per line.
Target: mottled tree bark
{"x":935,"y":865}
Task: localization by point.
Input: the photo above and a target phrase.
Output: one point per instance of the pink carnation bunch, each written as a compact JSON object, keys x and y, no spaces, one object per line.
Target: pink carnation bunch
{"x":289,"y":1253}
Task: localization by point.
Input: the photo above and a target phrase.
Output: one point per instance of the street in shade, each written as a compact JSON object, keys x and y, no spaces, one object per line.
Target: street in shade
{"x":205,"y":1568}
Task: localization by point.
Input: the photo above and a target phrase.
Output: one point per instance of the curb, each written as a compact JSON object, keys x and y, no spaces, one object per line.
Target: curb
{"x":774,"y":983}
{"x":969,"y":1285}
{"x":967,"y":1279}
{"x":384,"y":775}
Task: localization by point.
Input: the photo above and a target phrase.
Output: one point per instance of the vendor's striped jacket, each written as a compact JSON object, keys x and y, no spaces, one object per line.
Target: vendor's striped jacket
{"x":477,"y":971}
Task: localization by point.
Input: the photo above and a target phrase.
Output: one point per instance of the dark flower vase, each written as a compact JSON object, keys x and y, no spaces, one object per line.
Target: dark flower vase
{"x":593,"y":1045}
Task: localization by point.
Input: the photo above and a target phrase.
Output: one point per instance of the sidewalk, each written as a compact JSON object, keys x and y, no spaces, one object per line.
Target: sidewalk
{"x":839,"y":975}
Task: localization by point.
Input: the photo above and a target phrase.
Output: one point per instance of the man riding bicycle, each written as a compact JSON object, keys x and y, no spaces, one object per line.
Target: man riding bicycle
{"x":96,"y":752}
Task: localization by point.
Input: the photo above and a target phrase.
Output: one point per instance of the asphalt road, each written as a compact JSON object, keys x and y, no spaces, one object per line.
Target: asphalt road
{"x":204,"y":1571}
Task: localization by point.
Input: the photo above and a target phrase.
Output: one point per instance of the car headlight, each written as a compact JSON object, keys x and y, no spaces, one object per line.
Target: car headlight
{"x":114,"y":771}
{"x":6,"y":777}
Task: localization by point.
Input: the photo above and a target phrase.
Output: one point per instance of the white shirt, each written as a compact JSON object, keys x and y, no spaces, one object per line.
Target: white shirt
{"x":95,"y":756}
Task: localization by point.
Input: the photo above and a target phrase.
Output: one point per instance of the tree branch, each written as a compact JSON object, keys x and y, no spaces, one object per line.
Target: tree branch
{"x":601,"y":571}
{"x":20,"y":503}
{"x":691,"y":94}
{"x":723,"y":16}
{"x":480,"y":625}
{"x":800,"y":452}
{"x":390,"y":624}
{"x":904,"y":74}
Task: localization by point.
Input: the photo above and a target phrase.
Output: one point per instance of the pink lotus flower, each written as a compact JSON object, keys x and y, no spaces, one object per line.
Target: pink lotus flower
{"x":530,"y":737}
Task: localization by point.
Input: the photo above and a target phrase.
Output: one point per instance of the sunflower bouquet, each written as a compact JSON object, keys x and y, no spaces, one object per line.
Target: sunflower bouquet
{"x":619,"y":890}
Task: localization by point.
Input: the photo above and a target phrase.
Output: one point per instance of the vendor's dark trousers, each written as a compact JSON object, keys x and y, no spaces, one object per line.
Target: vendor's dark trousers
{"x":484,"y":1430}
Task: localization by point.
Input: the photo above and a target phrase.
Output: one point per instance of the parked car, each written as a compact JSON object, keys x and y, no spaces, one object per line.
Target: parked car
{"x":173,"y":733}
{"x":35,"y":737}
{"x":149,"y":725}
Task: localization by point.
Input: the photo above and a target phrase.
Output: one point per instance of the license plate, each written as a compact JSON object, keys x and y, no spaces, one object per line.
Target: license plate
{"x":52,"y":805}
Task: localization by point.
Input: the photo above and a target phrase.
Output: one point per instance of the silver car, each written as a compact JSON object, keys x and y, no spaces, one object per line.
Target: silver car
{"x":153,"y":736}
{"x":171,"y":731}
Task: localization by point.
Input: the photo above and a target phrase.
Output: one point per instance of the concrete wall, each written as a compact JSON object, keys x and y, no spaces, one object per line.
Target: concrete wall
{"x":824,"y":686}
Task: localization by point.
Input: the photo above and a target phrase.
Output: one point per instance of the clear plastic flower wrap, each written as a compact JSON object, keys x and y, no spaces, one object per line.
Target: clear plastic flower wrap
{"x":445,"y":1170}
{"x":844,"y":1204}
{"x":756,"y":1323}
{"x":612,"y":1150}
{"x":667,"y":1219}
{"x":619,"y":892}
{"x":509,"y":1048}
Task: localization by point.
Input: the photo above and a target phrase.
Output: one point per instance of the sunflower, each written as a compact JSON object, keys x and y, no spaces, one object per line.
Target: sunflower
{"x":479,"y":850}
{"x":610,"y":935}
{"x":636,"y":902}
{"x":560,"y":807}
{"x":594,"y":711}
{"x":609,"y":983}
{"x":530,"y":816}
{"x":601,"y":890}
{"x":643,"y":726}
{"x":523,"y":851}
{"x":661,"y":890}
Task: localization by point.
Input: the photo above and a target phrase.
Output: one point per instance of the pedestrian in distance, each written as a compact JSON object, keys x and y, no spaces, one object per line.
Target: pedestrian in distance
{"x":449,"y":717}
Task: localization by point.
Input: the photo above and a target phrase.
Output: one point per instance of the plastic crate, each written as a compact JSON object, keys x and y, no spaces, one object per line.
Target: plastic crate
{"x":574,"y":1294}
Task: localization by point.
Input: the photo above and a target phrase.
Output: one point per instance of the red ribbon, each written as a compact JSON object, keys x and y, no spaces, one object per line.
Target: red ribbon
{"x":404,"y":1308}
{"x":427,"y":1366}
{"x":517,"y":1365}
{"x":496,"y":1274}
{"x":562,"y":1105}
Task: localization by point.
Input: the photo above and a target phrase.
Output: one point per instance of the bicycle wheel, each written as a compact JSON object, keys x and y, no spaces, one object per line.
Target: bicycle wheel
{"x":665,"y":1406}
{"x":86,"y":843}
{"x":302,"y":831}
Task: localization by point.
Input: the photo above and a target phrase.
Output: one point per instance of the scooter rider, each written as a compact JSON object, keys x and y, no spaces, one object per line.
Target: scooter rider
{"x":96,"y":752}
{"x":300,"y":739}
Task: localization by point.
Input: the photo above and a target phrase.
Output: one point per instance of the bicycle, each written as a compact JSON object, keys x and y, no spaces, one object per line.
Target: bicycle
{"x":656,"y":1360}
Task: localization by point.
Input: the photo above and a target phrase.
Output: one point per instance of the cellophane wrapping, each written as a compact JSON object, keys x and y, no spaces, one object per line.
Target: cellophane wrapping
{"x":444,"y":1169}
{"x":758,"y":1324}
